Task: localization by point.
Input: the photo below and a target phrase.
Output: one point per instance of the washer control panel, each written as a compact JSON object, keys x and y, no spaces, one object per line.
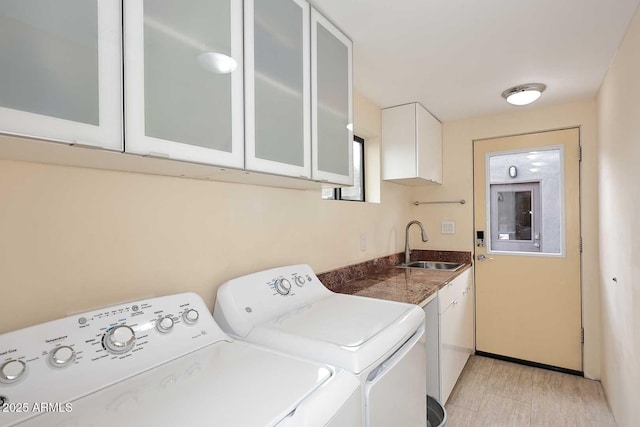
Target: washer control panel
{"x":290,"y":282}
{"x":251,"y":300}
{"x":65,"y":359}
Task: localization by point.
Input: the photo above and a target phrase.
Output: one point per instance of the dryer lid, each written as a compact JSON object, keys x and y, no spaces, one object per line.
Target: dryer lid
{"x":341,"y":320}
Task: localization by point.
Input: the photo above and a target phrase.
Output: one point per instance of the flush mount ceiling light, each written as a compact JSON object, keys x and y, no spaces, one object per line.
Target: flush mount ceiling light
{"x":524,"y":94}
{"x":217,"y":63}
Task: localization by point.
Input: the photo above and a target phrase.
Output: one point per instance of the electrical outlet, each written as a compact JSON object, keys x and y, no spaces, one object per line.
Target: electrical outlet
{"x":363,"y":242}
{"x":448,"y":227}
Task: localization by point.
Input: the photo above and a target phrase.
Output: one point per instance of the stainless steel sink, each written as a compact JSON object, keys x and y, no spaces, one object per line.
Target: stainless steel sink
{"x":433,"y":265}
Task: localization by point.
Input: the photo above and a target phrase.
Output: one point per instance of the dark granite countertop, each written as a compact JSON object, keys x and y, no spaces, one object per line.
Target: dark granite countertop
{"x":380,"y":278}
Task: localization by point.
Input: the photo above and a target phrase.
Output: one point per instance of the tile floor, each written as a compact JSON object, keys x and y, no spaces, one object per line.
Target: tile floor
{"x":495,"y":393}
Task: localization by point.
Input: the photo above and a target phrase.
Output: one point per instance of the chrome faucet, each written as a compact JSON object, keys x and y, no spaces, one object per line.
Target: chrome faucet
{"x":407,"y":251}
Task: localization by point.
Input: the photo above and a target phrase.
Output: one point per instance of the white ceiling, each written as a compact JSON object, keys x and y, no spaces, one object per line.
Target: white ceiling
{"x":457,"y":56}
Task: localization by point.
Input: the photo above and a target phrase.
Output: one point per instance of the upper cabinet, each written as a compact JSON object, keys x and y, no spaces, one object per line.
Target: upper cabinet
{"x":332,"y":102}
{"x":263,"y":85}
{"x":298,"y":101}
{"x":61,"y":71}
{"x":278,"y":102}
{"x":183,"y":80}
{"x":411,"y":145}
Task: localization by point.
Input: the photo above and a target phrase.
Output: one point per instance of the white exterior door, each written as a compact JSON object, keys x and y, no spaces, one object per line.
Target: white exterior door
{"x":527,"y":275}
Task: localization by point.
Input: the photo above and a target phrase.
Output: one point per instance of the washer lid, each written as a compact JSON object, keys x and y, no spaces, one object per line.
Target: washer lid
{"x":341,"y":321}
{"x":223,"y":384}
{"x":342,"y":330}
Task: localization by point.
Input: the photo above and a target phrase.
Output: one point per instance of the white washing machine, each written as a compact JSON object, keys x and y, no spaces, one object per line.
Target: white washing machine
{"x":162,"y":362}
{"x":382,"y":342}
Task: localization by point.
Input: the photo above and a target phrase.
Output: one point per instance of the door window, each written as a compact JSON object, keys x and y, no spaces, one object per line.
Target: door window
{"x":515,"y":219}
{"x":526,"y":201}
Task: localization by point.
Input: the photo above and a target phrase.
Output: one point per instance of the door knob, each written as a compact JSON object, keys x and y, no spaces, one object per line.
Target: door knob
{"x":482,"y":257}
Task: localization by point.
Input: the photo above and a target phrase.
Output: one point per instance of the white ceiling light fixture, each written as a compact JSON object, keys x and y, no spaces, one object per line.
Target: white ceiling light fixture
{"x":217,"y":63}
{"x":524,"y":94}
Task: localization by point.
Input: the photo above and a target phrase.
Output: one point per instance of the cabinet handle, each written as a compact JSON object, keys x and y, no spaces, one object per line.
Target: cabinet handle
{"x":465,"y":291}
{"x":81,"y":145}
{"x":454,"y":302}
{"x":156,"y":155}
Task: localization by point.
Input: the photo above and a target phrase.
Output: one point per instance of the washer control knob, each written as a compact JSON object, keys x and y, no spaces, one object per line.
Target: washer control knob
{"x":299,"y":281}
{"x":62,"y":356}
{"x":12,"y":370}
{"x":191,"y":316}
{"x":283,"y":286}
{"x":119,"y":339}
{"x":164,"y":324}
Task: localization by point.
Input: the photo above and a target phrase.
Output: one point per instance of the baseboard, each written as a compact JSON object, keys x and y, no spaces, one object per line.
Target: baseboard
{"x":528,"y":363}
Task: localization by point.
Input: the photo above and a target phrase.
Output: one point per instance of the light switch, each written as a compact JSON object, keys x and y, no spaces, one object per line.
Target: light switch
{"x":448,"y":227}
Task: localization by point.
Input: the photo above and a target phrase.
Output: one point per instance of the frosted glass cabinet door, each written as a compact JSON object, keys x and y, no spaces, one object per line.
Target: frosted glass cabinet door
{"x":278,"y":133}
{"x":183,"y":80}
{"x":61,"y":70}
{"x":331,"y":102}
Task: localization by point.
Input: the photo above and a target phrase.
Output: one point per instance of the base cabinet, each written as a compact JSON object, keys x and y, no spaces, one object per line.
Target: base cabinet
{"x":449,"y":332}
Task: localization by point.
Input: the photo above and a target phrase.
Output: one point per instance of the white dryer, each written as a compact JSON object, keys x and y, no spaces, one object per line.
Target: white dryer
{"x":162,"y":362}
{"x":382,"y":342}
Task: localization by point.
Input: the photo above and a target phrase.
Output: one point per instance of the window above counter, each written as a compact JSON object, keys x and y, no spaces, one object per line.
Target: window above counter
{"x":355,"y":193}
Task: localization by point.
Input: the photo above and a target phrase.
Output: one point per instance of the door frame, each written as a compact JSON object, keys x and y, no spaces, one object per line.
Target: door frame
{"x":580,"y":274}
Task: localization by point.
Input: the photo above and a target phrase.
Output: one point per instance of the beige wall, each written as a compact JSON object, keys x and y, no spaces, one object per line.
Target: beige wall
{"x":619,"y":116}
{"x":72,"y":239}
{"x":458,"y":184}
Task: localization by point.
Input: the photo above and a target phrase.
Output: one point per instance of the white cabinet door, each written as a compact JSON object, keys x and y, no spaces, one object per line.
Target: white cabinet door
{"x":183,"y":80}
{"x":61,"y":70}
{"x":450,"y":335}
{"x":399,"y":142}
{"x":467,"y":305}
{"x":332,"y":102}
{"x":456,"y":330}
{"x":411,"y":145}
{"x":450,"y":328}
{"x":277,"y":90}
{"x":429,"y":146}
{"x":432,"y":335}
